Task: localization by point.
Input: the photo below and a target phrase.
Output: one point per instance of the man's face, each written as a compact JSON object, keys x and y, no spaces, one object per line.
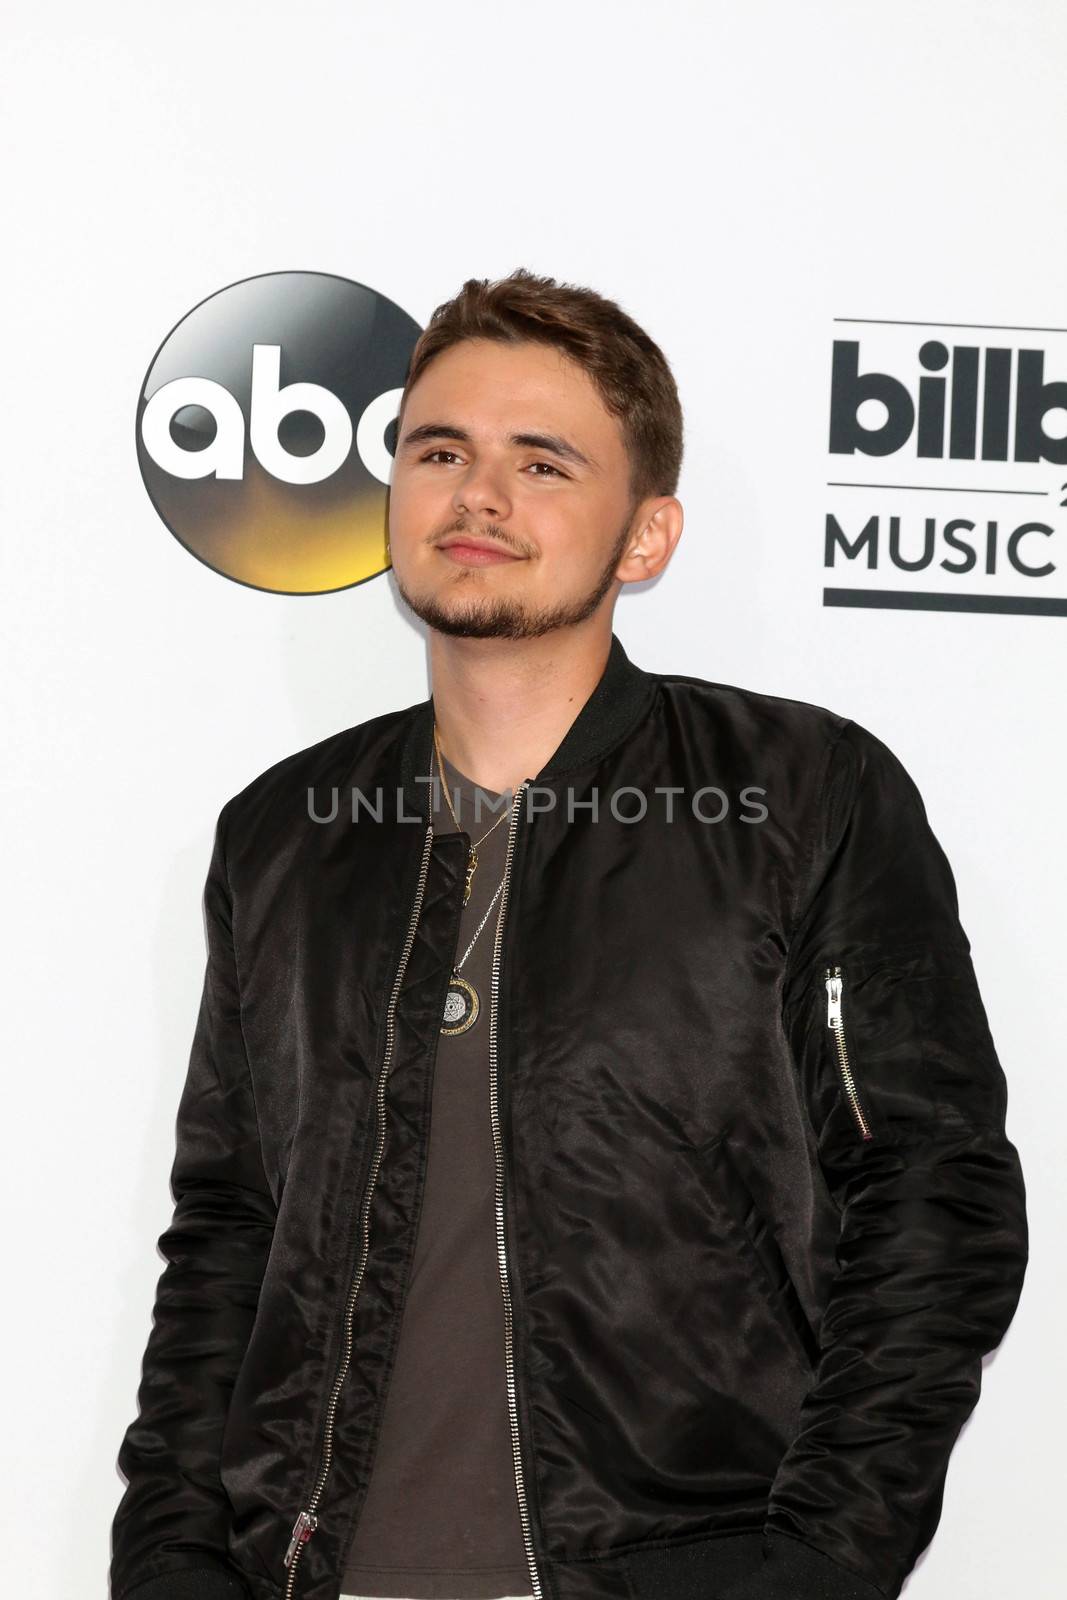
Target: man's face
{"x":512,"y":447}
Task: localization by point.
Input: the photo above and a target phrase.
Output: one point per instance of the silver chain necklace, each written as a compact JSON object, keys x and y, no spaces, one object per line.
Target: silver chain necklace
{"x":462,"y":1001}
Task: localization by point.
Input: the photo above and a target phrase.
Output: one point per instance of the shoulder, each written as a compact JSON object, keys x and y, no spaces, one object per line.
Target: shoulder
{"x":273,"y":805}
{"x":752,"y":717}
{"x":824,"y":756}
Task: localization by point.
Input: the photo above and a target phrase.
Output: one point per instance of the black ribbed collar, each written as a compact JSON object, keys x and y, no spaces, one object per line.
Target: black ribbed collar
{"x":623,"y":693}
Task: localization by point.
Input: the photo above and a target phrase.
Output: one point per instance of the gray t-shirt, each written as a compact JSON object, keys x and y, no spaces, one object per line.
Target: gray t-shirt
{"x":441,"y":1517}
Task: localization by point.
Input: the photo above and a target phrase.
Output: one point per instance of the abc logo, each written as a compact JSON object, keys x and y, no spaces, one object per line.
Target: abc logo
{"x":263,"y":429}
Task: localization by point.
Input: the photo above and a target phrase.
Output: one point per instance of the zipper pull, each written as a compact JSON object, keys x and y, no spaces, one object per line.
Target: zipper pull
{"x":833,"y":997}
{"x":303,"y":1528}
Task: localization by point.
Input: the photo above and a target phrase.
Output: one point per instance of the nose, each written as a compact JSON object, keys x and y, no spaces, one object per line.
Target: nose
{"x":481,"y":493}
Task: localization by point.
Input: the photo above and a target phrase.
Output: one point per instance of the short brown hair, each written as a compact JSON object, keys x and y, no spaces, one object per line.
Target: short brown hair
{"x":628,"y":368}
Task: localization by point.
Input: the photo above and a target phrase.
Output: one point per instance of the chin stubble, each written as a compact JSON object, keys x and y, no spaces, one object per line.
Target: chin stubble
{"x":507,"y":618}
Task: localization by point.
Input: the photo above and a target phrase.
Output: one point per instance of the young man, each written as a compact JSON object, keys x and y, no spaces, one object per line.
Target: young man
{"x":601,"y":1192}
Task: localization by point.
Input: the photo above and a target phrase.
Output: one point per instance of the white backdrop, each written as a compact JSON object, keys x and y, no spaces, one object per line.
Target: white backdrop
{"x":738,"y":176}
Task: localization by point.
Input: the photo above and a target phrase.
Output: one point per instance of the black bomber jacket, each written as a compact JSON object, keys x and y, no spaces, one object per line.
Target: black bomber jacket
{"x":758,"y":1219}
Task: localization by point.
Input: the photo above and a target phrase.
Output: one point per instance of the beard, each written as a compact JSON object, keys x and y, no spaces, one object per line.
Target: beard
{"x":510,"y":618}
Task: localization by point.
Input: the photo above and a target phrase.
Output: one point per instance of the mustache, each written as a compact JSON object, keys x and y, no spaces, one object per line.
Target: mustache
{"x":490,"y":530}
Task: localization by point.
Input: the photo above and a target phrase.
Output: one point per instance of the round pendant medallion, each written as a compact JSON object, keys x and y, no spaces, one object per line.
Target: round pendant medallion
{"x":461,"y":1006}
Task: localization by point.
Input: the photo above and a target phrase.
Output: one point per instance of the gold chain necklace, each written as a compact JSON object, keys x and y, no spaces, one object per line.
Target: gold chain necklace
{"x":472,"y":854}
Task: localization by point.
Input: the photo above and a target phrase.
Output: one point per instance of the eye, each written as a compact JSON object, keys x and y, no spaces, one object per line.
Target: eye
{"x":545,"y":466}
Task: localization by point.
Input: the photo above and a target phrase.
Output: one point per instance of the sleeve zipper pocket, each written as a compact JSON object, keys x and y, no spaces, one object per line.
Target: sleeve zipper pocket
{"x":835,"y":983}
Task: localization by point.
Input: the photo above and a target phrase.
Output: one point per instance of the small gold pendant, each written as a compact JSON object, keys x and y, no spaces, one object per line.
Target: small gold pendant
{"x":472,"y":867}
{"x":462,"y":1006}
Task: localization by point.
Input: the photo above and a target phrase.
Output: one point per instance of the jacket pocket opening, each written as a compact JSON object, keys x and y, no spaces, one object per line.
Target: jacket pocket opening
{"x":754,"y":1240}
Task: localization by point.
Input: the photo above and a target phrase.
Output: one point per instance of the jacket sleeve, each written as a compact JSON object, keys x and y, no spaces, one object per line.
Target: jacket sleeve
{"x":169,"y":1532}
{"x":906,"y":1101}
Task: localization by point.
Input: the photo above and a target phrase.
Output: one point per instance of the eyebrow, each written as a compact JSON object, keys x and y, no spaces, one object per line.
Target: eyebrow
{"x":551,"y":442}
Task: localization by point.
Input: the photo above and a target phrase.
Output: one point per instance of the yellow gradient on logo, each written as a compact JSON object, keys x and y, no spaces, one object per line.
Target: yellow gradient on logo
{"x":273,"y":536}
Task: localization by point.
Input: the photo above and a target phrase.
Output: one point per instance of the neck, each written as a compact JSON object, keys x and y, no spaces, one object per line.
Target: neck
{"x":503,"y":705}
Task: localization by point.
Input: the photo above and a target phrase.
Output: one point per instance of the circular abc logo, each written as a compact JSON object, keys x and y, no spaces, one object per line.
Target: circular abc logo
{"x":266,"y":426}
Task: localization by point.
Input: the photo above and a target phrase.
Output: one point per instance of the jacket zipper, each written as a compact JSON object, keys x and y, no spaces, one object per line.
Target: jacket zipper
{"x":835,"y":984}
{"x":501,"y":1237}
{"x":307,"y":1521}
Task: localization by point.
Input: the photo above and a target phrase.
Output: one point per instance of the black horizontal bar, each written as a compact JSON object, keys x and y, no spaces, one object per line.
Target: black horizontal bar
{"x":990,"y":327}
{"x":934,"y":488}
{"x":927,"y":600}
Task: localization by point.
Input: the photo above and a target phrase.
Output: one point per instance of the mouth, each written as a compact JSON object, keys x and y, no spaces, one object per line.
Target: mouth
{"x":466,"y":551}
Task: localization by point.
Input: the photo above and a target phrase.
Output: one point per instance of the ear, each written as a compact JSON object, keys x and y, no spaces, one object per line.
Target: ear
{"x":657,"y":527}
